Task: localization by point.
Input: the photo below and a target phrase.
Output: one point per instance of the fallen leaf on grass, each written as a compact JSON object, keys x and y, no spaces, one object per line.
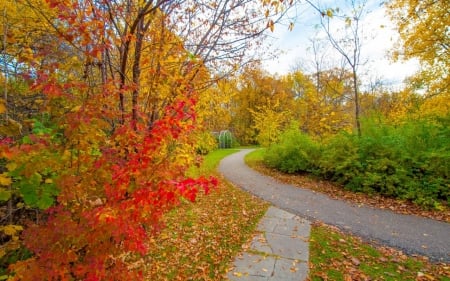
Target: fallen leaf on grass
{"x":355,"y":261}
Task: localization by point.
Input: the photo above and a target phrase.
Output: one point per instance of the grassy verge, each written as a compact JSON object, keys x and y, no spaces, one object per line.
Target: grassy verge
{"x":256,"y":156}
{"x":201,"y":239}
{"x":335,"y":255}
{"x":210,"y":162}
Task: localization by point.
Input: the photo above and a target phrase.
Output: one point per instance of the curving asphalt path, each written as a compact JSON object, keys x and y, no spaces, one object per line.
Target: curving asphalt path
{"x":412,"y":234}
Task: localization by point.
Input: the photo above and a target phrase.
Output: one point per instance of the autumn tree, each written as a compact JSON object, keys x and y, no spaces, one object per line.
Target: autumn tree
{"x":257,"y":91}
{"x":423,"y":29}
{"x":390,"y":107}
{"x":269,"y":120}
{"x":215,"y":104}
{"x":347,"y":42}
{"x":23,"y":32}
{"x":322,"y":111}
{"x":119,"y":82}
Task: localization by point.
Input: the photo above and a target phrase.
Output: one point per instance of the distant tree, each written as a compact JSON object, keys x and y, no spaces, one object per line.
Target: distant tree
{"x":256,"y":91}
{"x":269,"y":121}
{"x":322,"y":112}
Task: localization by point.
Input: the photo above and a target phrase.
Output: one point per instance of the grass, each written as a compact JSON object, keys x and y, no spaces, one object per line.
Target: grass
{"x":255,"y":156}
{"x":210,"y":162}
{"x":335,"y":255}
{"x":201,"y":239}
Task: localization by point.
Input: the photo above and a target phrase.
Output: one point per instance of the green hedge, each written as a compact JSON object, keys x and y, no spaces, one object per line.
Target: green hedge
{"x":409,"y":161}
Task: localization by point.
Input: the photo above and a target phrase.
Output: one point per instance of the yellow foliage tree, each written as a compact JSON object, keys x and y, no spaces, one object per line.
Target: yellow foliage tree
{"x":23,"y":33}
{"x":256,"y":91}
{"x":423,"y":27}
{"x":325,"y":110}
{"x":269,"y":120}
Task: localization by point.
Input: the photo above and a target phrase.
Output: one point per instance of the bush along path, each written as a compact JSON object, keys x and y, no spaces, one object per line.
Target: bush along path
{"x":412,"y":234}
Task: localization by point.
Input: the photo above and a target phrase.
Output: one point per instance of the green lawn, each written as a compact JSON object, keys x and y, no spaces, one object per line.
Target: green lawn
{"x":210,"y":162}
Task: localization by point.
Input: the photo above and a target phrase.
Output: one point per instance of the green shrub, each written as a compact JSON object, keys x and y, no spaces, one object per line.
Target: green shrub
{"x":339,"y":160}
{"x":226,"y":139}
{"x":295,"y":152}
{"x":409,"y":161}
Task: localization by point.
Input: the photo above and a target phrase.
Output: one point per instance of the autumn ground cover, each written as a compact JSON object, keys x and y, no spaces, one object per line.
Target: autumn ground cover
{"x":335,"y":255}
{"x":201,"y":239}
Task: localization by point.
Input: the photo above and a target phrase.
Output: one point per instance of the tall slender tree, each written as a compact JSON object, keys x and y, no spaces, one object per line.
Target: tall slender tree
{"x":347,"y":42}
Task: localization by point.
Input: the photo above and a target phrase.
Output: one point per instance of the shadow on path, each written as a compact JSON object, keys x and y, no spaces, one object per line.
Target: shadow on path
{"x":412,"y":234}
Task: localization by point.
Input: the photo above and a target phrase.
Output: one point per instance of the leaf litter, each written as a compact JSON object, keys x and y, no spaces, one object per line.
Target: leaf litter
{"x":202,"y":239}
{"x":336,"y":255}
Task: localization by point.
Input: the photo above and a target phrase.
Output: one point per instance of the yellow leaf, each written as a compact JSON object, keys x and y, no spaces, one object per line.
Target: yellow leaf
{"x":291,"y":26}
{"x":348,"y":22}
{"x":48,"y":181}
{"x":11,"y":166}
{"x":11,"y":229}
{"x":329,"y":13}
{"x":4,"y":180}
{"x":76,"y":108}
{"x":271,"y":25}
{"x":2,"y":107}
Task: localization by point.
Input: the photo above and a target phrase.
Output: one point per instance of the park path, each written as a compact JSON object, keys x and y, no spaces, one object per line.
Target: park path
{"x":411,"y":234}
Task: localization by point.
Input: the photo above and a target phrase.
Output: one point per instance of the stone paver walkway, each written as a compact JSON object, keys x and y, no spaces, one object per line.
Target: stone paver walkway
{"x":278,"y":252}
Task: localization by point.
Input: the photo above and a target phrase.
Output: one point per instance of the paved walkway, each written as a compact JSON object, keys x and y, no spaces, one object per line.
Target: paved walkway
{"x":412,"y":234}
{"x":278,"y":252}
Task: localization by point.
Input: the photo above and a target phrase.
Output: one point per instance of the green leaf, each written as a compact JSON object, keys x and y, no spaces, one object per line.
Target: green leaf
{"x":26,"y":140}
{"x":4,"y":194}
{"x":45,"y":202}
{"x":28,"y":192}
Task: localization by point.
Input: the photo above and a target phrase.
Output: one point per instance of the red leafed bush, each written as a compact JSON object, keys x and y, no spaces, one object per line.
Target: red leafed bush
{"x":105,"y":214}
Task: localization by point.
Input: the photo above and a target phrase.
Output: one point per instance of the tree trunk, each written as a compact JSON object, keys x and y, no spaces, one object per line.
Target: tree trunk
{"x":355,"y":89}
{"x":137,"y":71}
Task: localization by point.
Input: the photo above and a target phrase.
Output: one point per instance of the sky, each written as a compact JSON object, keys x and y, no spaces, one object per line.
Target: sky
{"x":293,"y":47}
